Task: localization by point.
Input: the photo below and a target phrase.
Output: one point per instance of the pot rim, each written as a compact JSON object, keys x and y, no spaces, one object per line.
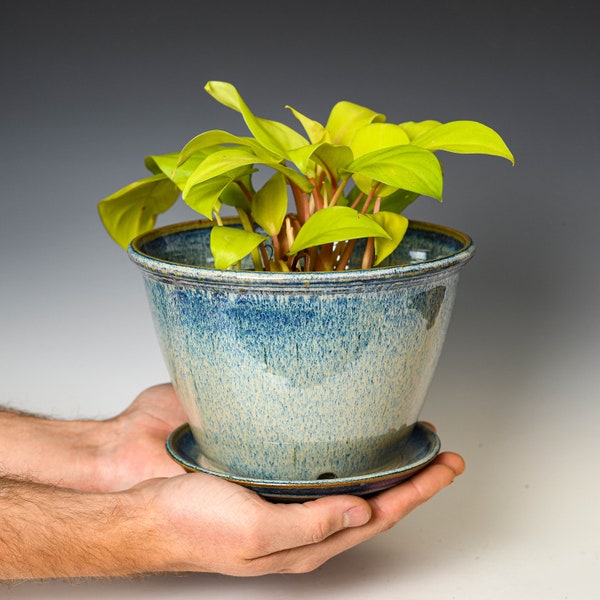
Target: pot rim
{"x":164,"y":269}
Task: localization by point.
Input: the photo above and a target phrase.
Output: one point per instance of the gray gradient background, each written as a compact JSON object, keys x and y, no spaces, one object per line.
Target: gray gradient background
{"x":88,"y":89}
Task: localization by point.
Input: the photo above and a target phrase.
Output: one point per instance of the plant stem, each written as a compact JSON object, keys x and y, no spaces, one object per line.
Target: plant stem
{"x":368,"y":254}
{"x":338,"y":192}
{"x":289,"y":232}
{"x":316,"y":193}
{"x":276,"y":248}
{"x":339,"y":249}
{"x":312,"y":258}
{"x":358,"y":200}
{"x":247,"y":225}
{"x":346,"y":254}
{"x":326,"y":257}
{"x":265,"y":257}
{"x":367,"y":260}
{"x":301,"y":201}
{"x":369,"y":199}
{"x":246,"y":191}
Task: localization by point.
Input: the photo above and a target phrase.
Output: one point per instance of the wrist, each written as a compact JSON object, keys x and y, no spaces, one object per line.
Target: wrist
{"x":148,"y":505}
{"x":64,"y":453}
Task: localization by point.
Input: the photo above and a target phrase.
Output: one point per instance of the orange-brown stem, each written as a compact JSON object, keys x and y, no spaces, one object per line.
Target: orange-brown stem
{"x":346,"y":254}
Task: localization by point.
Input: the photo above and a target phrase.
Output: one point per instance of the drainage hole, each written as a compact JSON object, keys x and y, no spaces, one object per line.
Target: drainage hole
{"x":327,"y":476}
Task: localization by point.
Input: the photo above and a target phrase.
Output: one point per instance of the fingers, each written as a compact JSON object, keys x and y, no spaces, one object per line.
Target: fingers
{"x":220,"y":526}
{"x":394,"y":504}
{"x":312,"y":522}
{"x":161,"y":404}
{"x":387,"y":508}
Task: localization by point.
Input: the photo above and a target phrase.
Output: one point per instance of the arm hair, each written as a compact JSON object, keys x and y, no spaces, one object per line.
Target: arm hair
{"x":48,"y":532}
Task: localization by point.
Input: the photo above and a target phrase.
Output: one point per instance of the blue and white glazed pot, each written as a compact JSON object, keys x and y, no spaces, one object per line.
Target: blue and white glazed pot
{"x":299,"y":376}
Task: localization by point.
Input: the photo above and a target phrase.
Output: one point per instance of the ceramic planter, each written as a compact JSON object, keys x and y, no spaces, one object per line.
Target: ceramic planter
{"x":302,"y":378}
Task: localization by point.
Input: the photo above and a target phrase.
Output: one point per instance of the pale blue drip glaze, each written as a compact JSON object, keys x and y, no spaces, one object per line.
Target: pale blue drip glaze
{"x":290,"y":375}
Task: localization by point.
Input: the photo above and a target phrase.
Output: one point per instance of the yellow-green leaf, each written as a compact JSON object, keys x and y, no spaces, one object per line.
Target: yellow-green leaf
{"x":346,"y":118}
{"x":270,"y":204}
{"x":232,"y":195}
{"x":133,"y":209}
{"x":464,"y":137}
{"x":302,"y":158}
{"x":168,"y":164}
{"x":230,"y":245}
{"x":415,"y":128}
{"x":376,"y":136}
{"x":315,"y":131}
{"x":335,"y":224}
{"x":395,"y":225}
{"x":274,"y":136}
{"x":372,"y":137}
{"x":216,"y":137}
{"x":398,"y":201}
{"x":333,"y":158}
{"x":406,"y":167}
{"x":219,"y":163}
{"x":204,"y":197}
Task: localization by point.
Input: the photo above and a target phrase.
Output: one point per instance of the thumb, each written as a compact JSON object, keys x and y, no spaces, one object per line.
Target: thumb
{"x":314,"y":521}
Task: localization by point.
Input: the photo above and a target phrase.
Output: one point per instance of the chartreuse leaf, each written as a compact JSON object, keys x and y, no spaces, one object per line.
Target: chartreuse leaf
{"x":227,"y":160}
{"x":405,"y":167}
{"x":302,"y":158}
{"x":168,"y":164}
{"x":219,"y":163}
{"x":204,"y":197}
{"x":398,"y":201}
{"x":395,"y":225}
{"x":230,"y":245}
{"x":346,"y":118}
{"x":415,"y":128}
{"x":270,"y":203}
{"x":300,"y":180}
{"x":216,"y":137}
{"x":274,"y":136}
{"x":133,"y":210}
{"x":335,"y":224}
{"x":464,"y":137}
{"x":376,"y":136}
{"x":333,"y":158}
{"x":152,"y":163}
{"x":315,"y":131}
{"x":232,"y":195}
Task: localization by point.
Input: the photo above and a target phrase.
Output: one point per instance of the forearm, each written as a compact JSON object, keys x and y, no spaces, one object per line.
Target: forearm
{"x":48,"y":532}
{"x":64,"y":453}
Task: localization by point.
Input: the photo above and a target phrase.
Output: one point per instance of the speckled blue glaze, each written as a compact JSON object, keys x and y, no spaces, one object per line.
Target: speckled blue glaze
{"x":421,"y":447}
{"x":297,"y":376}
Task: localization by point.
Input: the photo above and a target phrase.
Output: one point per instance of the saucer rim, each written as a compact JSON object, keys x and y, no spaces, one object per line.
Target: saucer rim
{"x":264,"y":486}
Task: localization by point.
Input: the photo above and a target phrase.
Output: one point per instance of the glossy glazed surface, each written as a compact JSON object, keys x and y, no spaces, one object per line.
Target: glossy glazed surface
{"x":293,"y":376}
{"x":420,"y":449}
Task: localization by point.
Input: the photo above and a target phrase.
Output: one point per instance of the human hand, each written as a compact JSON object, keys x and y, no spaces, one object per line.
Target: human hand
{"x":92,"y":455}
{"x":133,"y":443}
{"x":203,"y":523}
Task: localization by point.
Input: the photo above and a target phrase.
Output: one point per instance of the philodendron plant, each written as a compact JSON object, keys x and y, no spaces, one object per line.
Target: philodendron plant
{"x":350,"y":179}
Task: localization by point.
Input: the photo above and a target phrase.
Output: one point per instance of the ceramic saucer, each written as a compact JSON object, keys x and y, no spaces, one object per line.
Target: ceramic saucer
{"x":421,"y":448}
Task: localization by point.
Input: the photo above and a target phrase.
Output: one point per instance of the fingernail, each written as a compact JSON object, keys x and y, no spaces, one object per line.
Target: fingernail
{"x":355,"y":517}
